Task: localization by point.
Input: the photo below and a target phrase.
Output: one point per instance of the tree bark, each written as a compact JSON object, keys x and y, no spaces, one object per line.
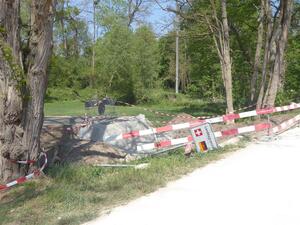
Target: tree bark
{"x":267,"y":54}
{"x":22,"y":92}
{"x":10,"y":94}
{"x":41,"y":50}
{"x":226,"y":65}
{"x":286,"y":7}
{"x":257,"y":59}
{"x":64,"y":35}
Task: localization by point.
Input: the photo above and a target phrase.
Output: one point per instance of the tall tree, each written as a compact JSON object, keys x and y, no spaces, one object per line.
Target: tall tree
{"x":278,"y":70}
{"x":216,"y":21}
{"x":259,"y":45}
{"x":22,"y":87}
{"x":275,"y":47}
{"x":220,"y":31}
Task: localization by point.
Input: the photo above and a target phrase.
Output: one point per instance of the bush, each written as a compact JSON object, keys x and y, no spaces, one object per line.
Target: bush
{"x":69,"y":94}
{"x":168,"y":97}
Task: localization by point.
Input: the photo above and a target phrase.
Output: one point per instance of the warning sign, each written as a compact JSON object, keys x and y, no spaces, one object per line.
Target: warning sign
{"x":204,"y":138}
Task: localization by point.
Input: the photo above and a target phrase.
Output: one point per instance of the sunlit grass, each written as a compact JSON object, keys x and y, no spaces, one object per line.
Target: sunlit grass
{"x":72,"y":194}
{"x":194,"y":108}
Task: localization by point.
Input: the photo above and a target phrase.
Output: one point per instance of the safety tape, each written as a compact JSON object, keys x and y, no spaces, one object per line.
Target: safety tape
{"x":23,"y":179}
{"x":178,"y":116}
{"x":28,"y":162}
{"x":87,"y":121}
{"x":287,"y":124}
{"x":185,"y":140}
{"x":186,"y":125}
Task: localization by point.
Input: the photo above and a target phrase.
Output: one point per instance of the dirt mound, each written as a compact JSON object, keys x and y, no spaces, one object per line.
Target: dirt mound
{"x":63,"y":147}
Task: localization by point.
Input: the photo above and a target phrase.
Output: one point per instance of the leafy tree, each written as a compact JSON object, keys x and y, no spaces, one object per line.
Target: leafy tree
{"x":114,"y":62}
{"x":145,"y":62}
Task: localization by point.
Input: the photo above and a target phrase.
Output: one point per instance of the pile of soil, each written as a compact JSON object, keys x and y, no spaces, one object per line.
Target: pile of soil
{"x":63,"y":147}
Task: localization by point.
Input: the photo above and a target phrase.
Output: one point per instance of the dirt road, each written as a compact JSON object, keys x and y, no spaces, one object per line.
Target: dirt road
{"x":259,"y":185}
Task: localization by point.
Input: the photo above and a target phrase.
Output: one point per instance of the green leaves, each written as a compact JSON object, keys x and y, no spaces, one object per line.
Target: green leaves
{"x":127,"y":62}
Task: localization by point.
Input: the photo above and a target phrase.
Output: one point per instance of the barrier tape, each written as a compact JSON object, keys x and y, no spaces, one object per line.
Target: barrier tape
{"x":185,"y":140}
{"x":23,"y":179}
{"x":174,"y":115}
{"x":219,"y":119}
{"x":287,"y":124}
{"x":27,"y":162}
{"x":253,"y":128}
{"x":87,"y":121}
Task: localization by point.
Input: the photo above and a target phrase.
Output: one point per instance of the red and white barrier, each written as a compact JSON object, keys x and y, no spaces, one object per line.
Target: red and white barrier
{"x":26,"y":162}
{"x":185,"y":140}
{"x":187,"y":125}
{"x":21,"y":180}
{"x":287,"y":124}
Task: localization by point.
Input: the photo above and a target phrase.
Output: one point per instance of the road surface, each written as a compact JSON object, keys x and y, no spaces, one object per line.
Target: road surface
{"x":259,"y":185}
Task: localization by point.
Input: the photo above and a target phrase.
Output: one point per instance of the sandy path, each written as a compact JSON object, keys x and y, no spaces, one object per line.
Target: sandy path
{"x":259,"y":185}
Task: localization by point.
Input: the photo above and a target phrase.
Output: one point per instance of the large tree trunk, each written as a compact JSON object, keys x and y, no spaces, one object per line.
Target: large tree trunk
{"x":41,"y":50}
{"x":286,"y":7}
{"x":21,"y":105}
{"x":10,"y":90}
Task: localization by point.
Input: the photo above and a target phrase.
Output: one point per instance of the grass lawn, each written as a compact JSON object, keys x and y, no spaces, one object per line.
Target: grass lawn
{"x":195,"y":108}
{"x":73,"y":194}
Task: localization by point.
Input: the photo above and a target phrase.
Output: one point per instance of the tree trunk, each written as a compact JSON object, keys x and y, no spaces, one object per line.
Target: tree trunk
{"x":226,"y":65}
{"x":64,"y":33}
{"x":10,"y":93}
{"x":41,"y":50}
{"x":21,"y":106}
{"x":267,"y":53}
{"x":286,"y":7}
{"x":257,"y":59}
{"x":220,"y":31}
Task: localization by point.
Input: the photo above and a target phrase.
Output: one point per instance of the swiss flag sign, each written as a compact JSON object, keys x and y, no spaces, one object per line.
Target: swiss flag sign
{"x":198,"y":132}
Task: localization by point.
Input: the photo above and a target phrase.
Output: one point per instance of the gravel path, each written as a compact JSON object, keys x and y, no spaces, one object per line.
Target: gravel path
{"x":259,"y":185}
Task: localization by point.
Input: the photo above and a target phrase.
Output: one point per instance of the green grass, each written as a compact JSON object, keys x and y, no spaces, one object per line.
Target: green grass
{"x":73,"y":194}
{"x":195,"y":108}
{"x":66,"y":108}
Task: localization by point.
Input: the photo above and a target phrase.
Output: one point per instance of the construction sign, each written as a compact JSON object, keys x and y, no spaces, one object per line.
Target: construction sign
{"x":204,"y":138}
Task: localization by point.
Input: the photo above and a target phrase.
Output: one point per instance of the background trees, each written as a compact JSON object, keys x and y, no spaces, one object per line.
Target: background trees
{"x":130,"y":56}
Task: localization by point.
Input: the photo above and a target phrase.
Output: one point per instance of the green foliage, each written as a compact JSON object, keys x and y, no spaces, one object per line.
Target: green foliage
{"x":127,"y":63}
{"x":112,"y":12}
{"x":134,"y":65}
{"x":145,"y":63}
{"x":114,"y":63}
{"x":68,"y":72}
{"x":69,"y":94}
{"x":292,"y":80}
